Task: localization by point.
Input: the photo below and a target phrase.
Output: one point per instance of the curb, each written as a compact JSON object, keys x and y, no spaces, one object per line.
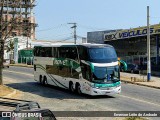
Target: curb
{"x":22,"y":65}
{"x":14,"y":91}
{"x":140,"y":84}
{"x":10,"y":94}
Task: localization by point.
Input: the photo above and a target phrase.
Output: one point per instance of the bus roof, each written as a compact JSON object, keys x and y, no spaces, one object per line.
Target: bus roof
{"x":70,"y":44}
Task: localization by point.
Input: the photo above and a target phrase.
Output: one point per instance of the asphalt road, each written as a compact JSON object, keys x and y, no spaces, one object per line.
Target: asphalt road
{"x":132,"y":98}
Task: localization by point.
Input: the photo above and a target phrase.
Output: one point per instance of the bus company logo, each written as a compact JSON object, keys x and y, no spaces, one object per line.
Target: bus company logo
{"x":110,"y":37}
{"x":6,"y":114}
{"x":60,"y":62}
{"x":13,"y":114}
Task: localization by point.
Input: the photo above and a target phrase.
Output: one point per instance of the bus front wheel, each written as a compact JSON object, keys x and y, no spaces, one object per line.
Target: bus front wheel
{"x":71,"y":88}
{"x":78,"y":89}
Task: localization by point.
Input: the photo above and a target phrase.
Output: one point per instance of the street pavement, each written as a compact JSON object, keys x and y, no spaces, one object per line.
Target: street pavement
{"x":132,"y":98}
{"x":138,"y":79}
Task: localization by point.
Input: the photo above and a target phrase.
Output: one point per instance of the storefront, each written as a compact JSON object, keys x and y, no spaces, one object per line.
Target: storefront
{"x":131,"y":44}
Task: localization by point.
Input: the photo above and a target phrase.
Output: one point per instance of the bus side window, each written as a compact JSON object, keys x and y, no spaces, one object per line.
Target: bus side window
{"x":86,"y":71}
{"x":61,"y":52}
{"x":82,"y":53}
{"x":73,"y":53}
{"x":54,"y":52}
{"x":48,"y":52}
{"x":42,"y":52}
{"x":35,"y":51}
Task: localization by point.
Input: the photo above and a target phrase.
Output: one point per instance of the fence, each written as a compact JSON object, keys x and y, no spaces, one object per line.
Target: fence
{"x":25,"y":60}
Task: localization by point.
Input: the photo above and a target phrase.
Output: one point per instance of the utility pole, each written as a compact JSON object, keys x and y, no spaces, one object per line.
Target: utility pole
{"x":74,"y":27}
{"x":148,"y":48}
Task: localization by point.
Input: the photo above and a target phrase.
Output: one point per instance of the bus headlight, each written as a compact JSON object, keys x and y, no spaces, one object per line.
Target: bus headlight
{"x":93,"y":85}
{"x":118,"y":85}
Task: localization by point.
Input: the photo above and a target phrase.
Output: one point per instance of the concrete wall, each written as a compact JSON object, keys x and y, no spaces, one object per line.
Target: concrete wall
{"x":97,"y":36}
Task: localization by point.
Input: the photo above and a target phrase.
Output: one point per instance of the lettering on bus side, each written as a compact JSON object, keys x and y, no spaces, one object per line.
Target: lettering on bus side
{"x":60,"y":62}
{"x":66,"y":62}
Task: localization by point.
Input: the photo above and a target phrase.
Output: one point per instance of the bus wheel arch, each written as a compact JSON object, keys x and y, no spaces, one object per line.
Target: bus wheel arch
{"x":71,"y":86}
{"x":78,"y":88}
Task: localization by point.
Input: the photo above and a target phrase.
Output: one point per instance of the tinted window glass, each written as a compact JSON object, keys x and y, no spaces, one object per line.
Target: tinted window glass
{"x":55,"y":52}
{"x":68,"y":52}
{"x":102,"y":55}
{"x":82,"y":53}
{"x":43,"y":51}
{"x":36,"y":51}
{"x":48,"y":52}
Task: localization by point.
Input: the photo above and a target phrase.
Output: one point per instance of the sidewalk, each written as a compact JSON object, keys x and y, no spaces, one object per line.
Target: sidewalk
{"x":22,"y":65}
{"x":140,"y":80}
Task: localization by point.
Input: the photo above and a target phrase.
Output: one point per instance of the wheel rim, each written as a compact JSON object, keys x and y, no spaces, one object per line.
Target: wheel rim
{"x":79,"y":89}
{"x":45,"y":82}
{"x":72,"y":89}
{"x":131,"y":71}
{"x":40,"y":80}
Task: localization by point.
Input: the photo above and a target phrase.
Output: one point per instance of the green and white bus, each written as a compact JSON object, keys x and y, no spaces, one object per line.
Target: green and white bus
{"x":83,"y":68}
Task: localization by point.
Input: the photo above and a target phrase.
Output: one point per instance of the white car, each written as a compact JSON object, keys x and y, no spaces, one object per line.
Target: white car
{"x":6,"y":63}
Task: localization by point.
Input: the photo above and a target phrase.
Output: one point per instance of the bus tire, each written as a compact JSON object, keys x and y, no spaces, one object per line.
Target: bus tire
{"x":40,"y":79}
{"x":132,"y":71}
{"x":71,"y":88}
{"x":78,"y":89}
{"x":45,"y":80}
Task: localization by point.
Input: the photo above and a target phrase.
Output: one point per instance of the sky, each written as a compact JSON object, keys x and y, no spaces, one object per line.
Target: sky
{"x":53,"y":16}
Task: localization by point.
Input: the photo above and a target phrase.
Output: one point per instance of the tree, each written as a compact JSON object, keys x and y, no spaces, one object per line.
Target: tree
{"x":10,"y":46}
{"x":1,"y":42}
{"x":5,"y":32}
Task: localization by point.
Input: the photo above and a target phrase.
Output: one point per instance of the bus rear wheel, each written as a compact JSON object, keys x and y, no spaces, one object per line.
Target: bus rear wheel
{"x":45,"y":80}
{"x":71,"y":88}
{"x":78,"y":89}
{"x":40,"y":79}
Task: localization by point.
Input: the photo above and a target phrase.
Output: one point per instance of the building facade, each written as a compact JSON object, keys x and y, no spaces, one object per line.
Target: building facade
{"x":131,"y":44}
{"x":97,"y":36}
{"x":18,"y":18}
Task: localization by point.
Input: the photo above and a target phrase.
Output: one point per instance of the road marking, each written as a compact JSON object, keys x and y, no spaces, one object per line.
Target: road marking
{"x":139,"y":100}
{"x":18,"y":72}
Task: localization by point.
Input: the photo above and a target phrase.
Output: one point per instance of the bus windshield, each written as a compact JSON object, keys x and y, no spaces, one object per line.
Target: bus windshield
{"x":102,"y":55}
{"x":106,"y":74}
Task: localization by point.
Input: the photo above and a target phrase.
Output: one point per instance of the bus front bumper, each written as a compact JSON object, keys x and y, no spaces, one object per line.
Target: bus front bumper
{"x":109,"y":91}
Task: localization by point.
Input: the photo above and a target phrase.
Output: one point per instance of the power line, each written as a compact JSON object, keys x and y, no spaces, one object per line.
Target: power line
{"x":65,"y":39}
{"x":51,"y":28}
{"x":90,"y":27}
{"x":54,"y":36}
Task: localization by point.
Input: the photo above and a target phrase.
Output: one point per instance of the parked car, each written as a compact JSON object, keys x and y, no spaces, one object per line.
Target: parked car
{"x":133,"y":68}
{"x":6,"y":63}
